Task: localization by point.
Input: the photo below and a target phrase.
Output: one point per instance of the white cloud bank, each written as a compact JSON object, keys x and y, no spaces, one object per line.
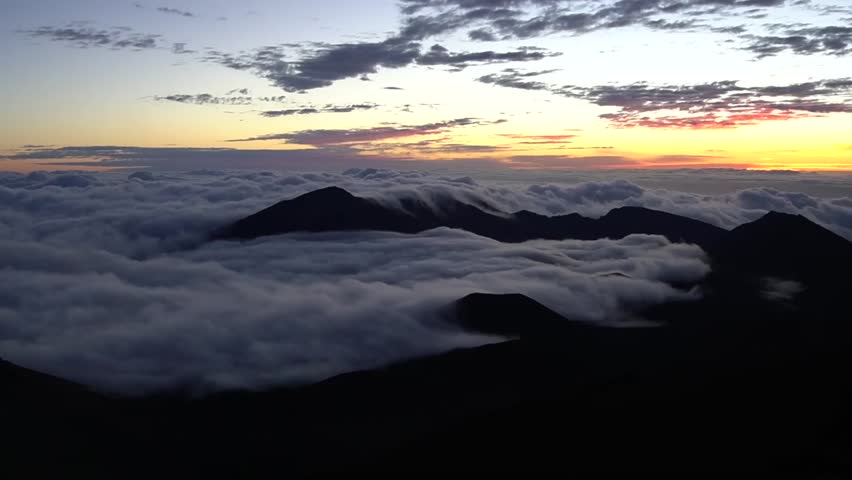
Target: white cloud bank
{"x":97,"y":285}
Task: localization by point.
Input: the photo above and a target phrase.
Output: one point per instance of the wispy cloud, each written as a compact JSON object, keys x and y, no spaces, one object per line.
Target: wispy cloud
{"x":540,"y":139}
{"x":310,"y":110}
{"x":180,"y":49}
{"x":208,"y":99}
{"x":715,"y":105}
{"x":86,"y":37}
{"x":324,"y":137}
{"x":439,"y":55}
{"x":724,"y":104}
{"x":522,"y":19}
{"x":512,"y":78}
{"x":808,"y":40}
{"x":175,"y":11}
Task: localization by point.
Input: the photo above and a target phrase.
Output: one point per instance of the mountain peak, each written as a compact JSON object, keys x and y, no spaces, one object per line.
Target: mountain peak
{"x":775,"y":216}
{"x":507,"y":314}
{"x":327,"y":193}
{"x":623,"y":221}
{"x":787,"y":224}
{"x":789,"y":246}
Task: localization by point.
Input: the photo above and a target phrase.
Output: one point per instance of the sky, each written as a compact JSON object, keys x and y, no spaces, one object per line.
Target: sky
{"x":517,"y":84}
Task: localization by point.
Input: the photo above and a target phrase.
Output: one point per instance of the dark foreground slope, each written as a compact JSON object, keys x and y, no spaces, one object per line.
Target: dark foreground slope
{"x":333,"y":208}
{"x":737,"y":381}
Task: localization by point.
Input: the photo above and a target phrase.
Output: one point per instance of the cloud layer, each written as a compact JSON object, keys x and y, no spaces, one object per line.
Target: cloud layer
{"x":144,"y":213}
{"x":106,"y":279}
{"x":103,"y":283}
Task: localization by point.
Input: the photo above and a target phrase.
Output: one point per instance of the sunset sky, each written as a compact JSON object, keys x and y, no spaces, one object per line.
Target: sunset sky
{"x":526,"y":84}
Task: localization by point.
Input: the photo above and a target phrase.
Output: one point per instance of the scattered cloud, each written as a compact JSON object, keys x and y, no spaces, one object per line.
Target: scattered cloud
{"x":310,"y":110}
{"x":175,"y":11}
{"x":337,"y":137}
{"x":322,"y":66}
{"x":809,"y":40}
{"x":189,"y":158}
{"x":511,"y":78}
{"x":180,"y":49}
{"x":715,"y":105}
{"x":523,"y":19}
{"x":723,"y":104}
{"x":439,"y":55}
{"x":228,"y":99}
{"x":80,"y":36}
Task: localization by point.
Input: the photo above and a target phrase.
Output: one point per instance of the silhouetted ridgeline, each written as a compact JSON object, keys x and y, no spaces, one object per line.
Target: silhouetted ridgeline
{"x":333,"y":208}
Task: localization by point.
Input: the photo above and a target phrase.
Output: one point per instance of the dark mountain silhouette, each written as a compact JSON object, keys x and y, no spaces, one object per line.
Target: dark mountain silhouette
{"x":47,"y":417}
{"x":512,"y":315}
{"x":322,"y":210}
{"x":333,"y":208}
{"x":785,"y":245}
{"x":29,"y":388}
{"x":624,"y":221}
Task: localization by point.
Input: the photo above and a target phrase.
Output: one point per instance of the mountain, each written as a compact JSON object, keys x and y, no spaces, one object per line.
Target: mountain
{"x":47,"y":417}
{"x":27,"y":387}
{"x":512,"y":315}
{"x":785,"y":245}
{"x":322,"y":210}
{"x":624,"y":221}
{"x":333,"y":208}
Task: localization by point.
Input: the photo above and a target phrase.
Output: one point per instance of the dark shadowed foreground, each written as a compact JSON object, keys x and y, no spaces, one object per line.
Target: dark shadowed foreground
{"x":753,"y":376}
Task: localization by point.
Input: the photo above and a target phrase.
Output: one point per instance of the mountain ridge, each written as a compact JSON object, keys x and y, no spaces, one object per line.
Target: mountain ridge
{"x":333,"y":208}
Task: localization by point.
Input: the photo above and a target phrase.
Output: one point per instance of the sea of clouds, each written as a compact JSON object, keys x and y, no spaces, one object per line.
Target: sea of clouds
{"x":106,"y":278}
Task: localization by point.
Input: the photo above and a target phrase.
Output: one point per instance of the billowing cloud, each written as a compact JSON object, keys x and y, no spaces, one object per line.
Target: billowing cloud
{"x":103,"y":289}
{"x":159,"y":211}
{"x":181,"y":49}
{"x":106,"y":280}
